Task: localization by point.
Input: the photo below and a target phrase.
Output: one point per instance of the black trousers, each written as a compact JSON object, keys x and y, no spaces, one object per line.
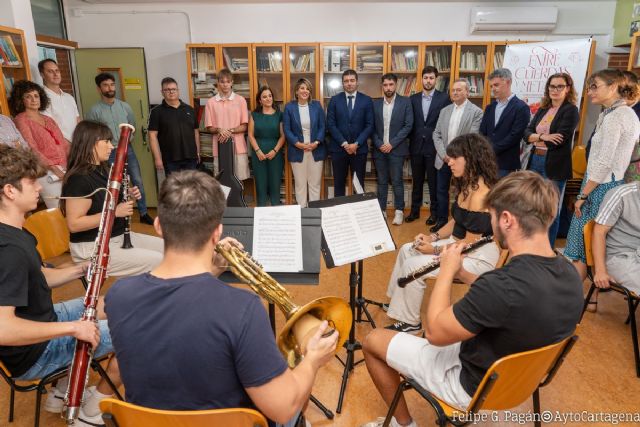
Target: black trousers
{"x":342,"y":163}
{"x":423,"y":165}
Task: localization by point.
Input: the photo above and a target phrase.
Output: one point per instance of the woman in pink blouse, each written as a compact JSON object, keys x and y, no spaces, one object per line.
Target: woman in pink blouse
{"x":43,"y":135}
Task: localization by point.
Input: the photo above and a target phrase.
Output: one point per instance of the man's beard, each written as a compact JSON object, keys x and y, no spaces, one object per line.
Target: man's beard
{"x":499,"y":238}
{"x":109,"y":94}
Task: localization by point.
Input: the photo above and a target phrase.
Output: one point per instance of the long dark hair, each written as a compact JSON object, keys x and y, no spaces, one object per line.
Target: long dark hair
{"x":571,"y":97}
{"x":81,"y":156}
{"x":263,"y":88}
{"x":480,"y":162}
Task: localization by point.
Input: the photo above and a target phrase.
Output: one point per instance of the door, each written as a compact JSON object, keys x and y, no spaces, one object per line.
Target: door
{"x":129,"y":68}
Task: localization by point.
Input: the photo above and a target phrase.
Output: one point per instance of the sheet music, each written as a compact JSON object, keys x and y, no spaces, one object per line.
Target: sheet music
{"x":277,"y":238}
{"x":355,"y":231}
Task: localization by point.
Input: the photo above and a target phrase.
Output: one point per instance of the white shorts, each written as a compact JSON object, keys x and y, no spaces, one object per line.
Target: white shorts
{"x":437,"y":369}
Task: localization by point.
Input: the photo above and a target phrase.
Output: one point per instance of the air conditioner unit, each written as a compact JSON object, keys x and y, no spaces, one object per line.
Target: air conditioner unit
{"x":520,"y":19}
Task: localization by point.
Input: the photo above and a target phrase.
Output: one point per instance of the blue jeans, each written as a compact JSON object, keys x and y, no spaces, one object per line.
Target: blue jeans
{"x":180,"y":165}
{"x":390,"y":166}
{"x":133,"y":169}
{"x":59,"y":351}
{"x":537,"y":165}
{"x":443,"y":182}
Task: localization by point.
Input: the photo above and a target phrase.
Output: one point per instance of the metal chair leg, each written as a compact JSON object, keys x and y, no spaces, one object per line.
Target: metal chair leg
{"x":634,"y":335}
{"x":39,"y":393}
{"x":587,"y":299}
{"x":536,"y":403}
{"x":635,"y":307}
{"x":103,"y":374}
{"x":12,"y":398}
{"x":394,"y":403}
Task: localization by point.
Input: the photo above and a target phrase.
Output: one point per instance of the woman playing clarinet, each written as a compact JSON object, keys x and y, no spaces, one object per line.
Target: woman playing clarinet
{"x":87,"y":176}
{"x":473,"y":165}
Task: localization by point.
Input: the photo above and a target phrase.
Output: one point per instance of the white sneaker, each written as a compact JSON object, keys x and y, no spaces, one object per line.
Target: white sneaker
{"x":393,"y":423}
{"x":398,"y":219}
{"x":55,"y":401}
{"x":85,"y":420}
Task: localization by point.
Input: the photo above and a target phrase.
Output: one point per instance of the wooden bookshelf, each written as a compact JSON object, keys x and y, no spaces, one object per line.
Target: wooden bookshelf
{"x":238,"y":59}
{"x":634,"y":54}
{"x":202,"y":67}
{"x":404,"y":60}
{"x":14,"y":63}
{"x":370,"y":63}
{"x":334,"y":59}
{"x":441,"y":55}
{"x":269,"y":67}
{"x":472,"y":59}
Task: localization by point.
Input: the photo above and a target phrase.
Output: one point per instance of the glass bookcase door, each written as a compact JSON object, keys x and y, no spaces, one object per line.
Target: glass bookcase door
{"x":441,"y":58}
{"x":472,"y":66}
{"x":303,"y":64}
{"x":203,"y":74}
{"x":496,"y":62}
{"x":404,"y":63}
{"x":370,"y":68}
{"x":236,"y":59}
{"x":270,"y":71}
{"x":335,"y":60}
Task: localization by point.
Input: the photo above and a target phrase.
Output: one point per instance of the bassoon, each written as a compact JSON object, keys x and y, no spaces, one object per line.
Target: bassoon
{"x":126,"y":183}
{"x":425,"y":269}
{"x":96,"y":274}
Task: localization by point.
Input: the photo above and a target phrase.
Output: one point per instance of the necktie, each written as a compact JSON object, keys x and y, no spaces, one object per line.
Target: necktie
{"x":350,"y":104}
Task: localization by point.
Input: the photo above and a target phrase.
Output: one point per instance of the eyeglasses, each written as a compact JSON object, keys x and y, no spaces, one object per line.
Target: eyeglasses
{"x":593,"y":87}
{"x":172,"y":90}
{"x":558,"y":87}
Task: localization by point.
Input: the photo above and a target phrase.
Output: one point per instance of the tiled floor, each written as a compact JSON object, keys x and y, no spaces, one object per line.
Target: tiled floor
{"x":598,"y":376}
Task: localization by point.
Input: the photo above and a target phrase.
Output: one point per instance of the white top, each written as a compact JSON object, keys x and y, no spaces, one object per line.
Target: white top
{"x":305,"y":122}
{"x":387,"y":111}
{"x":612,"y":145}
{"x":454,"y":121}
{"x":63,"y":110}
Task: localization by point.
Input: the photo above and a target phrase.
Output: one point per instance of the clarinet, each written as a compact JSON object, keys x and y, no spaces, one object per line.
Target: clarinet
{"x":96,"y":274}
{"x":126,"y":241}
{"x":416,"y":274}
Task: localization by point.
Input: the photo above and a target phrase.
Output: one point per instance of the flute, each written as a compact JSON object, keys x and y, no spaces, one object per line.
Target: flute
{"x":416,"y":274}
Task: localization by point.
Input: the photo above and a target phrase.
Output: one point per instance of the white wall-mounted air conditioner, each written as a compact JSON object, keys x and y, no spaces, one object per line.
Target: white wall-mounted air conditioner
{"x":521,"y":19}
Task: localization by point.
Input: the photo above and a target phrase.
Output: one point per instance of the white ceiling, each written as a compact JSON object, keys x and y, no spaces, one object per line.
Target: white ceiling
{"x":310,"y":1}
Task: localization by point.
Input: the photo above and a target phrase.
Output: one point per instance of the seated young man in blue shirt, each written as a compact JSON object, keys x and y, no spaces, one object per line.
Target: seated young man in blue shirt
{"x":184,"y":339}
{"x":533,"y":301}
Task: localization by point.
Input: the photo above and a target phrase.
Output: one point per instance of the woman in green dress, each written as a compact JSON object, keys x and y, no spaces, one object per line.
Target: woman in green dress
{"x":267,"y":138}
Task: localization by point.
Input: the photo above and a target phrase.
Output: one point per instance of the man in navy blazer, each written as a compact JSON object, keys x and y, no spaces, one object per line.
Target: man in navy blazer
{"x":426,"y":110}
{"x":505,"y":121}
{"x":393,"y":118}
{"x":350,"y":123}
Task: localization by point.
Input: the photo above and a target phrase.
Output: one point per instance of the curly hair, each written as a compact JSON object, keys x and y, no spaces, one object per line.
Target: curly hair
{"x":626,"y":90}
{"x":18,"y":91}
{"x":572,"y":97}
{"x":18,"y":163}
{"x":480,"y":162}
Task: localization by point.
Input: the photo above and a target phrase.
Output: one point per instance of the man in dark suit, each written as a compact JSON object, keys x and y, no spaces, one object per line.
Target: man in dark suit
{"x":350,"y":123}
{"x":393,"y":122}
{"x":505,"y":121}
{"x":426,"y":110}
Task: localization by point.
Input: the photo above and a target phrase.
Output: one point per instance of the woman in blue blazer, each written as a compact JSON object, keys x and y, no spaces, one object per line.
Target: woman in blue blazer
{"x":304,"y":129}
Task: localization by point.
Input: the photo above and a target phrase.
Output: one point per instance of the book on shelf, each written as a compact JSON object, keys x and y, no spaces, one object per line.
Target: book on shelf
{"x":336,"y":59}
{"x":8,"y":52}
{"x":370,"y":60}
{"x":235,"y":64}
{"x":442,"y":83}
{"x":8,"y":84}
{"x":203,"y":62}
{"x":498,"y":60}
{"x":439,"y":58}
{"x":473,"y":61}
{"x":476,"y":85}
{"x":269,"y":62}
{"x":401,"y":62}
{"x":406,"y":85}
{"x":304,"y":63}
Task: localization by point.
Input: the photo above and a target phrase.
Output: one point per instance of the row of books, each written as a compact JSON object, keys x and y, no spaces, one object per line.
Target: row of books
{"x":442,"y":83}
{"x":235,"y":64}
{"x":336,"y":60}
{"x":304,"y":63}
{"x":203,"y":62}
{"x":406,"y":86}
{"x":205,"y":88}
{"x":498,"y":60}
{"x":8,"y":84}
{"x":476,"y":85}
{"x":8,"y":52}
{"x":401,"y":61}
{"x":370,"y":60}
{"x":473,"y":61}
{"x":269,"y":61}
{"x":439,"y":58}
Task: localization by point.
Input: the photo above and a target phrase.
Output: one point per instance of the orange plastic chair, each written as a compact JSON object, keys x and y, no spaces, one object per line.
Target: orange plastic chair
{"x":50,"y":228}
{"x":632,"y":299}
{"x":116,"y":413}
{"x":579,"y":161}
{"x":508,"y":383}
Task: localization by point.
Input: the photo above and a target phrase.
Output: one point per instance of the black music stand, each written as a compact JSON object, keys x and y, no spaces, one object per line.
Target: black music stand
{"x":355,"y":286}
{"x":238,"y":223}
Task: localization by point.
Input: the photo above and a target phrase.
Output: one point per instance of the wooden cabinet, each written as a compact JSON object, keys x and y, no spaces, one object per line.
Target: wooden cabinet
{"x":14,"y":63}
{"x":471,"y":64}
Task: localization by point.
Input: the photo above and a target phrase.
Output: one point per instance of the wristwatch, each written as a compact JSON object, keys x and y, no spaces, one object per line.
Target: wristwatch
{"x":582,"y":196}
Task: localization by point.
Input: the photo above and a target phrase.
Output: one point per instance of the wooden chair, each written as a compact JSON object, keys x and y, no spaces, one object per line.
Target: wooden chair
{"x":39,"y":384}
{"x":508,"y":383}
{"x":632,"y":298}
{"x":50,"y":229}
{"x":116,"y":413}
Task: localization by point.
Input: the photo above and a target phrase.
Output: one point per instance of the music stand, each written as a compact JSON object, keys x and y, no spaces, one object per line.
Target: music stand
{"x":238,"y":223}
{"x":355,"y":286}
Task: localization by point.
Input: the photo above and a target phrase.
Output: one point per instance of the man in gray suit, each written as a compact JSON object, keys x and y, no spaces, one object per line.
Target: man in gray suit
{"x":393,"y":118}
{"x":459,"y":118}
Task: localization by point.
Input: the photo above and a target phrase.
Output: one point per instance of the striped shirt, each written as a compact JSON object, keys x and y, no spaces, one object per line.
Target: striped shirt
{"x":620,"y":210}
